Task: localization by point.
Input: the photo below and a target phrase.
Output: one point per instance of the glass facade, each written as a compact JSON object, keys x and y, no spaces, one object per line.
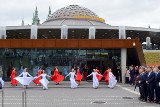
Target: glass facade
{"x":63,"y":58}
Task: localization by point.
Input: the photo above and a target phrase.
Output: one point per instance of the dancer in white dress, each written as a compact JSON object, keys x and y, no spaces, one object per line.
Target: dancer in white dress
{"x":112,"y":79}
{"x":72,"y":79}
{"x":1,"y":75}
{"x":44,"y":80}
{"x":24,"y":80}
{"x":95,"y":79}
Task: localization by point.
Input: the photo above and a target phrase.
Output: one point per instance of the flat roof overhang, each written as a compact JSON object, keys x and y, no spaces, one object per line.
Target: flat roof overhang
{"x":84,"y":27}
{"x":77,"y":44}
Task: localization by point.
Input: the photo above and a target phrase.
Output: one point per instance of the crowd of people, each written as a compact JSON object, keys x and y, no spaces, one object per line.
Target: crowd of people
{"x":75,"y":77}
{"x":148,"y":81}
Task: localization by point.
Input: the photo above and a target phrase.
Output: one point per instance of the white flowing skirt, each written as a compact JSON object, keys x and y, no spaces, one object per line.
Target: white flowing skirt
{"x":2,"y":82}
{"x":95,"y":83}
{"x":73,"y":83}
{"x":44,"y":82}
{"x":24,"y":80}
{"x":112,"y":82}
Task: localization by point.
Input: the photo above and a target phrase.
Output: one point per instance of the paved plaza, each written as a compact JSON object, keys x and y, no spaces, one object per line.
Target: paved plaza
{"x":84,"y":96}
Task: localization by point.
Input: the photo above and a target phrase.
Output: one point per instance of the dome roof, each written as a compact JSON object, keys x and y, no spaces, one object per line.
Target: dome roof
{"x":74,"y":12}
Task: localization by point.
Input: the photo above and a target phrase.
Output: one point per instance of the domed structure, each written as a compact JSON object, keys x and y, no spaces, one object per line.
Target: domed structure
{"x":74,"y":15}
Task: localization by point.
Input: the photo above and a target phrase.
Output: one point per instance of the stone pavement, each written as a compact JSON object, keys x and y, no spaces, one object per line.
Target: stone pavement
{"x":84,"y":96}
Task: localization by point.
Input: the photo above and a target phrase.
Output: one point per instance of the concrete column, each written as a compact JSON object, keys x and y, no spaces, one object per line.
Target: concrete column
{"x":33,"y":32}
{"x":64,"y":32}
{"x":123,"y":63}
{"x":148,"y":43}
{"x":122,"y":35}
{"x":122,"y":32}
{"x":3,"y":32}
{"x":92,"y":32}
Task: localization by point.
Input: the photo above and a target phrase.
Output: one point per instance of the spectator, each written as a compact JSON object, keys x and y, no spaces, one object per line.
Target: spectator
{"x":142,"y":84}
{"x":150,"y":79}
{"x":157,"y":84}
{"x":119,"y":73}
{"x":132,"y":75}
{"x":127,"y":75}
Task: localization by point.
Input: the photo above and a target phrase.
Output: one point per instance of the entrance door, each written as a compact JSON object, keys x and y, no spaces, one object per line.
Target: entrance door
{"x":92,"y":65}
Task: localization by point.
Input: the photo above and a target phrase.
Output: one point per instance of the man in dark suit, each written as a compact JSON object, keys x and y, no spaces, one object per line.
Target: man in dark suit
{"x":157,"y":83}
{"x":142,"y":84}
{"x":150,"y":79}
{"x":132,"y":75}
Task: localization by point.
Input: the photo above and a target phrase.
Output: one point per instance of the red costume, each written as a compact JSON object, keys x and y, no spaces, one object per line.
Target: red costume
{"x":106,"y":76}
{"x":57,"y":77}
{"x":36,"y":81}
{"x":13,"y":75}
{"x":79,"y":76}
{"x":98,"y":76}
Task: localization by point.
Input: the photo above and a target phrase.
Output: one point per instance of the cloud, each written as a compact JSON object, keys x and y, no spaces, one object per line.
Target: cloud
{"x":138,"y":13}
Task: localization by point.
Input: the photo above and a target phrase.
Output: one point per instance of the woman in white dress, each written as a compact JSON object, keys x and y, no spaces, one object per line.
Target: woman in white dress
{"x":72,"y":79}
{"x":112,"y":79}
{"x":44,"y":80}
{"x":1,"y":75}
{"x":95,"y":79}
{"x":24,"y":80}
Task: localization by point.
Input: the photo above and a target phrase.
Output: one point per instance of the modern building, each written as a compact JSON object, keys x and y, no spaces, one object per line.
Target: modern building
{"x":73,"y":35}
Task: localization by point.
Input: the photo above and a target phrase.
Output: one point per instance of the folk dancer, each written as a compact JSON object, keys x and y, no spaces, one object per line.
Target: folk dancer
{"x":72,"y":79}
{"x":98,"y":76}
{"x":106,"y":76}
{"x":13,"y":82}
{"x":43,"y":80}
{"x":56,"y":77}
{"x":36,"y":81}
{"x":112,"y":79}
{"x":1,"y":75}
{"x":79,"y":76}
{"x":95,"y":79}
{"x":24,"y":80}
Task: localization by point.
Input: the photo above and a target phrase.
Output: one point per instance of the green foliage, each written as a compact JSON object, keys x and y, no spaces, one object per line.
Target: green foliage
{"x":152,"y":57}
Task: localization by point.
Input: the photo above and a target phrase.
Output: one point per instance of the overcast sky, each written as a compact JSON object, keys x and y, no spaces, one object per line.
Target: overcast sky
{"x":139,"y":13}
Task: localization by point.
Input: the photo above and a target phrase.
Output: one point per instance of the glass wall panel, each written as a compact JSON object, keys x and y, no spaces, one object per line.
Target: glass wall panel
{"x":63,"y":58}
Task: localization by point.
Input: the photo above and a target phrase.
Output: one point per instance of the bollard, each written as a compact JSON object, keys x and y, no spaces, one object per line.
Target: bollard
{"x":2,"y":98}
{"x":22,"y":99}
{"x":25,"y":97}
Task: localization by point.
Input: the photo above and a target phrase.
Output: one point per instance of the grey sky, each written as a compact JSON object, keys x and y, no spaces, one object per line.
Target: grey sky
{"x":138,"y":13}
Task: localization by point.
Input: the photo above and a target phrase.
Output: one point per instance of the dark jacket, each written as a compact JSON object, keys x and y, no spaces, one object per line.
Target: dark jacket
{"x":142,"y":78}
{"x":157,"y":77}
{"x":131,"y":72}
{"x":150,"y":78}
